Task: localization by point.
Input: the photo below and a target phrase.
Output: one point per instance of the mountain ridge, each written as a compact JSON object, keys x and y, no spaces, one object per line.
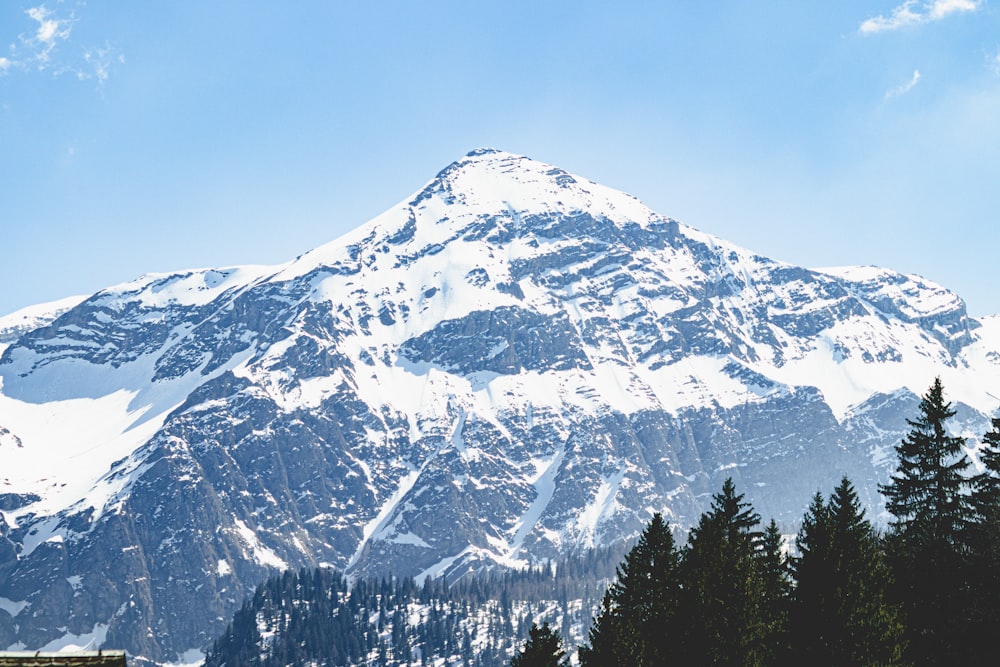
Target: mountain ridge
{"x":511,"y":364}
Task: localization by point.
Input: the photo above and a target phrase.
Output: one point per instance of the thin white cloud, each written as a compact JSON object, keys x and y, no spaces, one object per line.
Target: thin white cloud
{"x":100,"y":61}
{"x":906,"y":87}
{"x":901,"y":16}
{"x":912,"y":13}
{"x":48,"y":34}
{"x":44,"y":47}
{"x":941,"y":8}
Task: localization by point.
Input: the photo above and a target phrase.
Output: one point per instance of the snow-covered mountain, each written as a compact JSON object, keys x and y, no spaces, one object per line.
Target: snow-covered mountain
{"x":514,"y":364}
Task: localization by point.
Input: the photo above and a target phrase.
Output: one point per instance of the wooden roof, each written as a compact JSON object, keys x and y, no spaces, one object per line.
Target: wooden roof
{"x":88,"y":658}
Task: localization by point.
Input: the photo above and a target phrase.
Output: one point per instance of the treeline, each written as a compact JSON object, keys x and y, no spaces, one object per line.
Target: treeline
{"x":925,"y":593}
{"x":314,"y":617}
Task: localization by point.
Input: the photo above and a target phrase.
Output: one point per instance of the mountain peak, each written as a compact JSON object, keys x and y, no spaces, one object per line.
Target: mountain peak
{"x":494,"y":181}
{"x":488,"y":194}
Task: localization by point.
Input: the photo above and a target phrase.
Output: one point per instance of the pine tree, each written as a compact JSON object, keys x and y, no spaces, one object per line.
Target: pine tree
{"x":927,"y":543}
{"x":722,"y":596}
{"x":634,"y":626}
{"x":840,"y":613}
{"x":984,"y":570}
{"x":542,"y":649}
{"x":776,"y":592}
{"x":812,"y":591}
{"x":927,"y":495}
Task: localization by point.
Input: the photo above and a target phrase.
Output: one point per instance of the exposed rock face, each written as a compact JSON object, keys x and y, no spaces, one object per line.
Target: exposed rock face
{"x":515,"y":364}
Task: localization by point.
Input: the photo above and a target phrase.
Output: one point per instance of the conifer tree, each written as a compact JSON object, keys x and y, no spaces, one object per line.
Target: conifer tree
{"x":542,"y":649}
{"x":840,"y":610}
{"x":927,"y":494}
{"x":984,"y":571}
{"x":927,"y":542}
{"x":776,"y":591}
{"x":635,"y":624}
{"x":986,"y":486}
{"x":812,"y":590}
{"x":611,"y":637}
{"x":722,"y":595}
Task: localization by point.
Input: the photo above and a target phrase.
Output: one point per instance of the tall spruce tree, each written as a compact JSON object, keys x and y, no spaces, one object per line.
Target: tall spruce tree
{"x":722,"y":586}
{"x":542,"y":649}
{"x":841,"y":616}
{"x":635,"y":625}
{"x":984,"y":571}
{"x":928,"y":493}
{"x":776,"y":590}
{"x":927,"y":542}
{"x":986,"y":486}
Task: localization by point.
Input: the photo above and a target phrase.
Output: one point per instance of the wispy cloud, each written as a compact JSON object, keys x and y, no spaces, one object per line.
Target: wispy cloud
{"x":49,"y":32}
{"x":41,"y":46}
{"x":101,"y":60}
{"x":912,"y":13}
{"x":941,"y":8}
{"x":904,"y":88}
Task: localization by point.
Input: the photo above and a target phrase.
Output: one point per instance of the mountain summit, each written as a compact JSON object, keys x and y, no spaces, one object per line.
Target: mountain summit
{"x":514,"y":364}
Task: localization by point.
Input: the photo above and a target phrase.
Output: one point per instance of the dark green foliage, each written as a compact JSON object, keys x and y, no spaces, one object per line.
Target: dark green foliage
{"x":840,"y":613}
{"x":928,"y":493}
{"x":776,"y":595}
{"x":984,"y":566}
{"x":927,"y":545}
{"x":637,"y":614}
{"x":543,"y":649}
{"x":986,"y":486}
{"x":723,"y":590}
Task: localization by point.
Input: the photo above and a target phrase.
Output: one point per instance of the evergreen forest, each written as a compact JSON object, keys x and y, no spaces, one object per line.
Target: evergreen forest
{"x":314,"y":617}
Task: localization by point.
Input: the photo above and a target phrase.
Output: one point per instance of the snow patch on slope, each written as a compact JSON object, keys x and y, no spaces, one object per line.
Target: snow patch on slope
{"x":260,"y":553}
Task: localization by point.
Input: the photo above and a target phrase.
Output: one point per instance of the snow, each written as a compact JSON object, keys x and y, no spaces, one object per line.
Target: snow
{"x":195,"y":287}
{"x":442,"y":566}
{"x":67,"y":446}
{"x":411,"y":539}
{"x":12,"y":607}
{"x":914,"y":294}
{"x":38,"y":315}
{"x":695,"y":381}
{"x":498,"y":182}
{"x":260,"y":553}
{"x":845,"y":383}
{"x":544,"y":481}
{"x":70,"y":642}
{"x":190,"y":658}
{"x":603,"y":506}
{"x":222,"y":569}
{"x":375,"y":527}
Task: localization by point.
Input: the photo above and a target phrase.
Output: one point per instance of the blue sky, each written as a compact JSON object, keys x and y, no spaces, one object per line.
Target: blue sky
{"x":155,"y":136}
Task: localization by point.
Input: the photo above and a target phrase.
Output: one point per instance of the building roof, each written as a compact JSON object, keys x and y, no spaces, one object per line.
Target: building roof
{"x":80,"y":658}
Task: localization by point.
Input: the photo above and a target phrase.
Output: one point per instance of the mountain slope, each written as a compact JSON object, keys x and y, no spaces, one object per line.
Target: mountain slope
{"x":512,"y":365}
